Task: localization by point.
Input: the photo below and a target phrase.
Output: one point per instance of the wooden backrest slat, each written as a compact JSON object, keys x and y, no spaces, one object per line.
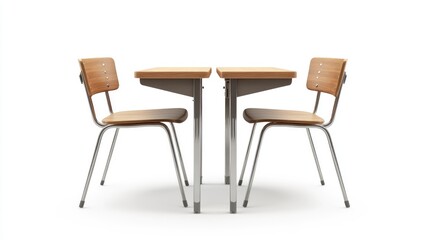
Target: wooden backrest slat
{"x":99,"y":75}
{"x":326,"y":75}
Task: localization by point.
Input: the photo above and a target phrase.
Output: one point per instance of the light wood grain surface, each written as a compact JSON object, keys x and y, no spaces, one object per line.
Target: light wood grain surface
{"x":254,"y":73}
{"x":99,"y":74}
{"x":176,"y":115}
{"x":326,"y":75}
{"x":254,"y":115}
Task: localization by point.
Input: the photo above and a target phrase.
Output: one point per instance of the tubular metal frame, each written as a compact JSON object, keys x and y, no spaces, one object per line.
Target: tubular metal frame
{"x":198,"y":151}
{"x":233,"y":144}
{"x":316,"y":159}
{"x":243,"y":170}
{"x":106,"y":168}
{"x":231,"y":141}
{"x":240,"y":182}
{"x":323,"y":127}
{"x":97,"y":147}
{"x":185,"y":177}
{"x":227,"y":130}
{"x":331,"y":146}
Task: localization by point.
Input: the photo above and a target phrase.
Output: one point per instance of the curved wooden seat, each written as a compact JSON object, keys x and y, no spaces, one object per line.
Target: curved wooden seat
{"x":176,"y":115}
{"x":255,"y":115}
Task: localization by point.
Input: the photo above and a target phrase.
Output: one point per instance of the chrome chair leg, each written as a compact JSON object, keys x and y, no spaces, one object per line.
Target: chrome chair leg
{"x":91,"y":168}
{"x":252,"y":176}
{"x":240,"y":182}
{"x":337,"y":167}
{"x":180,"y":155}
{"x":112,"y":147}
{"x":176,"y":165}
{"x":315,"y":156}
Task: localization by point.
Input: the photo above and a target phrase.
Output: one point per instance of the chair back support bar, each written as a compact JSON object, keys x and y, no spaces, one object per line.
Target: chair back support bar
{"x":337,"y":99}
{"x":326,"y":75}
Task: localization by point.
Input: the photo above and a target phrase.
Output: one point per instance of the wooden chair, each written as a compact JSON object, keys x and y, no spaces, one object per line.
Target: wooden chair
{"x":99,"y":76}
{"x":326,"y":75}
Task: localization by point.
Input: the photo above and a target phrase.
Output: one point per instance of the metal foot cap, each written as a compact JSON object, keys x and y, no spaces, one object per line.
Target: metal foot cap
{"x":322,"y":182}
{"x":227,"y":181}
{"x":197,"y":207}
{"x":245,"y":203}
{"x":347,"y":204}
{"x":186,"y":183}
{"x":240,"y":182}
{"x":185,"y":203}
{"x":233,"y":207}
{"x":102,"y":182}
{"x":81,"y":204}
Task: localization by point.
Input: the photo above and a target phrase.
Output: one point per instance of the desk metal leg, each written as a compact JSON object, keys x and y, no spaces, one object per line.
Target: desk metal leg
{"x":197,"y":143}
{"x":227,"y":131}
{"x":233,"y":144}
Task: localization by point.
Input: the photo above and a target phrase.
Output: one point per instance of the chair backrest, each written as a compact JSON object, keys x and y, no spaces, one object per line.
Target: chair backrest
{"x":326,"y":75}
{"x":99,"y":75}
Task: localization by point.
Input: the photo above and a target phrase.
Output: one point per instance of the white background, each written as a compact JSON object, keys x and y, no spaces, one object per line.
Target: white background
{"x":47,"y":135}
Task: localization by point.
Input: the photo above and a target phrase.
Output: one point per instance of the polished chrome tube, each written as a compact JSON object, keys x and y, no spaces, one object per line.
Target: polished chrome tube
{"x":337,"y":167}
{"x":337,"y":99}
{"x":109,"y":103}
{"x":112,"y":147}
{"x":227,"y":130}
{"x":185,"y":176}
{"x":233,"y":145}
{"x":247,"y":156}
{"x":91,"y":104}
{"x":315,"y":156}
{"x":316,"y":104}
{"x":252,"y":175}
{"x":91,"y":168}
{"x":176,"y":165}
{"x":197,"y":92}
{"x":94,"y":115}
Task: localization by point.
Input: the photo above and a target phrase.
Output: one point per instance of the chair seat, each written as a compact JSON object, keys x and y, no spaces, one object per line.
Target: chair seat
{"x":254,"y":115}
{"x":176,"y":115}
